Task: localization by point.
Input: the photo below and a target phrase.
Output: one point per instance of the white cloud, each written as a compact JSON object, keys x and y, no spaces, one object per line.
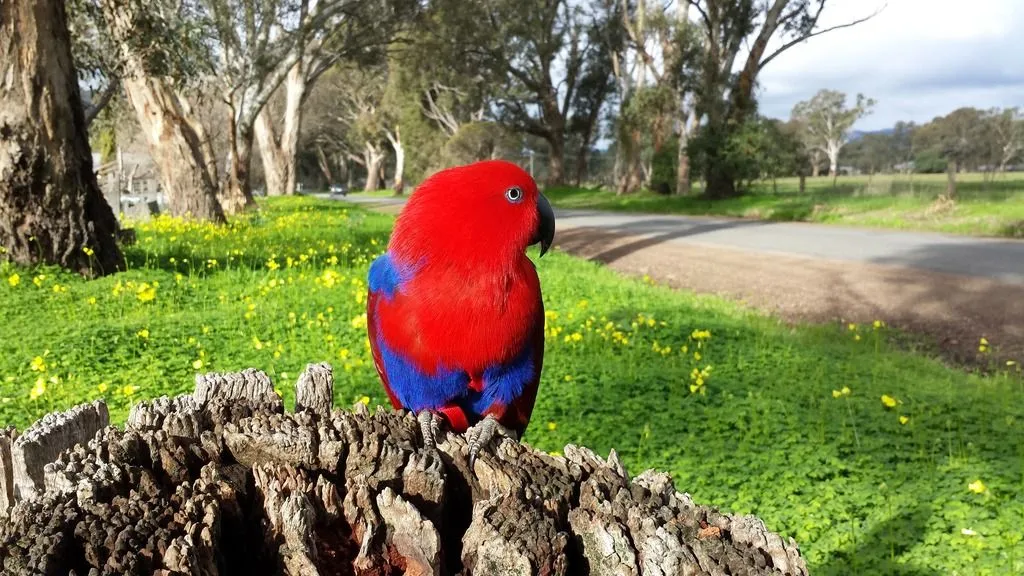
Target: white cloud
{"x":918,"y":58}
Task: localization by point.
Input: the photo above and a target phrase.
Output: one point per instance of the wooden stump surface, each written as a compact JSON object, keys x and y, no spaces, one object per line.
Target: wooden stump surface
{"x":225,"y":481}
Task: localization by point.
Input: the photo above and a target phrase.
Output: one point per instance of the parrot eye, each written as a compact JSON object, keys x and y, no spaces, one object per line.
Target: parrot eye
{"x":514,"y":194}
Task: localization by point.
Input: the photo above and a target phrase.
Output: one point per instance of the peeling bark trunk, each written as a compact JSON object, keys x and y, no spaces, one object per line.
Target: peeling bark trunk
{"x":51,"y":208}
{"x":373,"y":158}
{"x":278,"y":151}
{"x":223,"y":481}
{"x":396,"y":144}
{"x":178,"y":145}
{"x":274,"y":164}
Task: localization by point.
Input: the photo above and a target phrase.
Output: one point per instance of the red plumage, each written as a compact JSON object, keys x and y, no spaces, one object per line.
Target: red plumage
{"x":462,"y":298}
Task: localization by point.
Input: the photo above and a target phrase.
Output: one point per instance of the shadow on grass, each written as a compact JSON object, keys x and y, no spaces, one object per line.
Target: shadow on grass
{"x":876,"y":552}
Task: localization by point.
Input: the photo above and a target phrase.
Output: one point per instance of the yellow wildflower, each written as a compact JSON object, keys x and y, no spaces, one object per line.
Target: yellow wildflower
{"x":38,"y":280}
{"x":889,"y":401}
{"x":978,"y":487}
{"x":552,"y":426}
{"x":38,"y":390}
{"x":128,"y":390}
{"x":143,"y":334}
{"x":92,"y":300}
{"x":365,"y":400}
{"x":198,"y":364}
{"x":14,"y":280}
{"x":146,"y":292}
{"x":102,"y":387}
{"x":38,"y":364}
{"x":568,"y":378}
{"x":904,"y":419}
{"x":88,"y":251}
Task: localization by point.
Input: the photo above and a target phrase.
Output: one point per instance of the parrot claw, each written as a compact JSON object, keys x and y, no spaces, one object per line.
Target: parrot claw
{"x":430,"y":426}
{"x":481,"y":435}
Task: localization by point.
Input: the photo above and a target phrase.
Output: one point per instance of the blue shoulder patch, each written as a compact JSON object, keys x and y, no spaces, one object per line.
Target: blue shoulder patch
{"x":386,"y":277}
{"x":503,"y":383}
{"x":416,"y":389}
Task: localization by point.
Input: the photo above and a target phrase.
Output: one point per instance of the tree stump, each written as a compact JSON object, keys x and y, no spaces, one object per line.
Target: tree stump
{"x":224,"y":481}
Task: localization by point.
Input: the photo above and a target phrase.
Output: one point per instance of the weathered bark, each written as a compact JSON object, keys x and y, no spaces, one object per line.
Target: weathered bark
{"x":51,"y":208}
{"x":224,"y":482}
{"x":178,"y":145}
{"x":373,"y":158}
{"x":275,"y":165}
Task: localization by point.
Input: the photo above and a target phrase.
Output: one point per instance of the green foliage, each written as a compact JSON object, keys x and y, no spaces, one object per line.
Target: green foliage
{"x":477,"y":141}
{"x":745,"y":413}
{"x":929,"y":162}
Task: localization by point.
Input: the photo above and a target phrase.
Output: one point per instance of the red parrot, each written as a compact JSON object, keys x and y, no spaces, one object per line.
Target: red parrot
{"x":454,"y":311}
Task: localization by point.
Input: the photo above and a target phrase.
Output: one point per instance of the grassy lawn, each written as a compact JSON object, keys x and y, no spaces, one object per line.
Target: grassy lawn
{"x":992,"y":208}
{"x":877,"y":460}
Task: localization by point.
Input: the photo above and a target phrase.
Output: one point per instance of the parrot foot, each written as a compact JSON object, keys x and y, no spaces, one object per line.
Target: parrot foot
{"x":482,"y":434}
{"x":430,"y":426}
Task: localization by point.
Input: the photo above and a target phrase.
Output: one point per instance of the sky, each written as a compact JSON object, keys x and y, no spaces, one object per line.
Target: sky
{"x":918,"y":58}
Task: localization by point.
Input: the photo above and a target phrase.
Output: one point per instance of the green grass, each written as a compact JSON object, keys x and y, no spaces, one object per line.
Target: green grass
{"x":760,"y":432}
{"x":984,"y":208}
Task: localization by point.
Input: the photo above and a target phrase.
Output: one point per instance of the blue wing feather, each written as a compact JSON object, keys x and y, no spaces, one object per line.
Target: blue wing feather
{"x":414,"y":388}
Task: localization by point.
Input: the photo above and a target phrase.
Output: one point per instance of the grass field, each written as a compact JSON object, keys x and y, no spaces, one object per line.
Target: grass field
{"x":985,"y":208}
{"x":877,"y":460}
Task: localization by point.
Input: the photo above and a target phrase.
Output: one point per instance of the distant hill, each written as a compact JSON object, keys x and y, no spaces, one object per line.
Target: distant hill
{"x":858,"y":134}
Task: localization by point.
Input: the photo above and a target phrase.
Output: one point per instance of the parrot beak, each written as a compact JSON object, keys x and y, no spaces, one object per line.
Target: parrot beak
{"x":545,"y":233}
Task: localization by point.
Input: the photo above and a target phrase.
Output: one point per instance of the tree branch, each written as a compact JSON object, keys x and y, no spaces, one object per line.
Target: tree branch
{"x":105,"y":97}
{"x":795,"y":41}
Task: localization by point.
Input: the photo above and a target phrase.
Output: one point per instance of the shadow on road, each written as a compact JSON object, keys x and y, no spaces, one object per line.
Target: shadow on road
{"x":641,"y":234}
{"x":987,"y":259}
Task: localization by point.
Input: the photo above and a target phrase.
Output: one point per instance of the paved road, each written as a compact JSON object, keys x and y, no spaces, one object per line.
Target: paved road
{"x":976,"y":257}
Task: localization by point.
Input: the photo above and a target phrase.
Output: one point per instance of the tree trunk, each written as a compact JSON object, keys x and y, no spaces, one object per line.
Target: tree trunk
{"x":396,"y":143}
{"x":278,"y":152}
{"x":951,"y":168}
{"x":224,"y":481}
{"x":582,"y":160}
{"x":51,"y":207}
{"x":720,"y":184}
{"x":325,"y":165}
{"x":237,"y":194}
{"x":815,"y":170}
{"x":631,"y":174}
{"x":275,"y":165}
{"x":372,"y":158}
{"x":177,"y":143}
{"x":556,"y":159}
{"x":683,"y":185}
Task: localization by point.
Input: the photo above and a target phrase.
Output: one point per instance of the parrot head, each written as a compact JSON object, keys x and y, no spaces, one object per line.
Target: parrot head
{"x":487,"y":212}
